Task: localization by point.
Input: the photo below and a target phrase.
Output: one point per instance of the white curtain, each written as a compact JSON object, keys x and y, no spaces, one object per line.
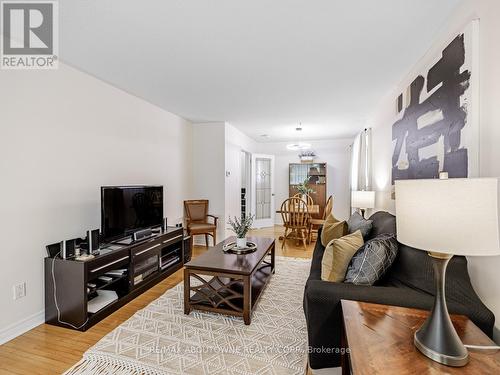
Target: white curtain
{"x":361,"y":164}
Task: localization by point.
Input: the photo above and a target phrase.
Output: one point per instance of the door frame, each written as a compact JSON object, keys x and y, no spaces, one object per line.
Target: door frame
{"x":268,"y":222}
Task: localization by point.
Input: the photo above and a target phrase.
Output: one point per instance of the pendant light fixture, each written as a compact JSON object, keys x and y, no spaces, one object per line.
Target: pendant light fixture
{"x":298,"y":146}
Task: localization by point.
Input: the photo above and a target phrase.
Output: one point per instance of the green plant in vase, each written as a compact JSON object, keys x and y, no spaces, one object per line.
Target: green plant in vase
{"x":241,"y":227}
{"x":304,"y":189}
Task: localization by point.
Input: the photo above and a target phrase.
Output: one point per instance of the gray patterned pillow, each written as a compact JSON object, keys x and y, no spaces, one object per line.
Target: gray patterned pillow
{"x":358,"y":222}
{"x":372,"y":260}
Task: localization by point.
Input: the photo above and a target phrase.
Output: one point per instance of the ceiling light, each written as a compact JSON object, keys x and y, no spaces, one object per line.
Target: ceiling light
{"x":265,"y":135}
{"x":298,"y":146}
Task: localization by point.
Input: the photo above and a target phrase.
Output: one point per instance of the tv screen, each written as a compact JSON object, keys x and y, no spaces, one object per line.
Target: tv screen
{"x":126,"y":209}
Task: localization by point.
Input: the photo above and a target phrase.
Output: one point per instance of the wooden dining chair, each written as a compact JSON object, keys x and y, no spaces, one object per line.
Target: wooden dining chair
{"x":197,"y":219}
{"x":316,"y":223}
{"x":295,"y":215}
{"x":309,"y":200}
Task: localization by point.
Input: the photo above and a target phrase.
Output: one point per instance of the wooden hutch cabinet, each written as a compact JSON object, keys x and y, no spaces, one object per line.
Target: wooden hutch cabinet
{"x":316,"y":172}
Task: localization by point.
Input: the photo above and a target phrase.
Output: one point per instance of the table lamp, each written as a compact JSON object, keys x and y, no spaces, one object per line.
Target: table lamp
{"x":447,"y":217}
{"x":362,"y":199}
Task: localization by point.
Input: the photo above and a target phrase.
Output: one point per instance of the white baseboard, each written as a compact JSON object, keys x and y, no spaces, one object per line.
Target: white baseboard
{"x":22,"y":326}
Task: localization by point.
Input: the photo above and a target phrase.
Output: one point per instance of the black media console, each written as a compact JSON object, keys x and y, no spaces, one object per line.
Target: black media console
{"x":121,"y":270}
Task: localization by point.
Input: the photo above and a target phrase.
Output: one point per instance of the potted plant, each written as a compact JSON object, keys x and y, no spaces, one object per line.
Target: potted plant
{"x":304,"y":189}
{"x":241,"y":227}
{"x":307,"y":156}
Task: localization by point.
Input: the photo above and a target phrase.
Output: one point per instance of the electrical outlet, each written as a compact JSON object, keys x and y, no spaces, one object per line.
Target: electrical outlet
{"x":19,"y":290}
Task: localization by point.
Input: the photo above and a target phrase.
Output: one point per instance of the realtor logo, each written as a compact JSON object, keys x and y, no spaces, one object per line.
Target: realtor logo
{"x":29,"y":35}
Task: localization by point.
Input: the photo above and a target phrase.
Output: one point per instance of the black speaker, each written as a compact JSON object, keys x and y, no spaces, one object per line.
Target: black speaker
{"x":93,"y":240}
{"x":54,"y":249}
{"x":68,"y":249}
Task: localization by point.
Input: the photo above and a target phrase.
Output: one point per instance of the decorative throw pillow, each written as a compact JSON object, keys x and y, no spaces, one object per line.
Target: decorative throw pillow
{"x":358,"y":222}
{"x":338,"y":254}
{"x":372,"y":260}
{"x":332,"y":229}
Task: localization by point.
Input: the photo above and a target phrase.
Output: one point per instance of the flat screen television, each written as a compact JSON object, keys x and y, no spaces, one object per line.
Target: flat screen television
{"x":127,"y":209}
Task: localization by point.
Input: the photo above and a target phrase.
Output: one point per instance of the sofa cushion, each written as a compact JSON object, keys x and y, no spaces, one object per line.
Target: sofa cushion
{"x":372,"y":260}
{"x":382,"y":222}
{"x":338,"y":254}
{"x":332,"y":229}
{"x":358,"y":222}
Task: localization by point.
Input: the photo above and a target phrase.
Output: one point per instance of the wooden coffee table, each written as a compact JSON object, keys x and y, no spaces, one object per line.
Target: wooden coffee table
{"x":228,"y":283}
{"x":380,"y":341}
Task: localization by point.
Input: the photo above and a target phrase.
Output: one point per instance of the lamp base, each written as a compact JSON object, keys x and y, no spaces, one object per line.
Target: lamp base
{"x":448,"y":360}
{"x":437,"y":338}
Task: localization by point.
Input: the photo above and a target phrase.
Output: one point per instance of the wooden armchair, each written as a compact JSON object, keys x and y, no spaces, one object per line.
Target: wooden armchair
{"x":295,"y":215}
{"x":197,"y":219}
{"x":316,"y":223}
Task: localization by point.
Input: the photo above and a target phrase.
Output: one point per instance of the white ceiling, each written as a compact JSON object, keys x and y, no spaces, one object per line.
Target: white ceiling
{"x":261,"y":65}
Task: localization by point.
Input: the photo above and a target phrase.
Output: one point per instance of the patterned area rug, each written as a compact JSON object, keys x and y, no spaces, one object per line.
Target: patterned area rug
{"x":160,"y":339}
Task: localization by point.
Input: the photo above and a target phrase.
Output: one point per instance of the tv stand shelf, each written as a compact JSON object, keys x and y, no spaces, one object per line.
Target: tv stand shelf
{"x":141,"y":262}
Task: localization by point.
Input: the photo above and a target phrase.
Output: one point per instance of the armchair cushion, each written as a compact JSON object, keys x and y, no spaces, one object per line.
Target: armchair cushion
{"x":201,"y":227}
{"x":197,"y":211}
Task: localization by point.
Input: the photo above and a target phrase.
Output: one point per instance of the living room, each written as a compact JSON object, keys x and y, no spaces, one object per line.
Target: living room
{"x":193,"y":102}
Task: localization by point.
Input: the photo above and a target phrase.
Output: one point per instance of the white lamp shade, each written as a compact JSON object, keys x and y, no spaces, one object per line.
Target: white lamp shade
{"x":363,"y":199}
{"x":456,"y":216}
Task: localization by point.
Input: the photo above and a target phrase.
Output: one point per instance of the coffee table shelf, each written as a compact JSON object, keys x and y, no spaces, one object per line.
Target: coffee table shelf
{"x":228,"y":283}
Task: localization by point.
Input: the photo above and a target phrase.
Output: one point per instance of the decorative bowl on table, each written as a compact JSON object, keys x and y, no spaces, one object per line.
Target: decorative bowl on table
{"x":232,"y":248}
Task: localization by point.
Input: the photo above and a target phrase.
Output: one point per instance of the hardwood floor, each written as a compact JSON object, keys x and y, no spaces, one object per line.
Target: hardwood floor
{"x":48,"y":349}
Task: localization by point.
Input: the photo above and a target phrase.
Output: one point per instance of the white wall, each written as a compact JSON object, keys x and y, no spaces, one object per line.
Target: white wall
{"x":63,"y":135}
{"x":217,"y":170}
{"x":209,"y":150}
{"x":483,"y":271}
{"x":235,"y":142}
{"x":333,"y":152}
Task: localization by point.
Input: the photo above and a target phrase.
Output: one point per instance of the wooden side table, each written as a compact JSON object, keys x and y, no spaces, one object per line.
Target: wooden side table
{"x":380,"y":341}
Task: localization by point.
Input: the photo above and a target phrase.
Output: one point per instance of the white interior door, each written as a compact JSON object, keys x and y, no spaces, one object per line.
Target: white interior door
{"x":263,"y":190}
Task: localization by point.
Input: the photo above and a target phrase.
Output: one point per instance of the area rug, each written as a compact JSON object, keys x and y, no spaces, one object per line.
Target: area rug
{"x":161,"y":339}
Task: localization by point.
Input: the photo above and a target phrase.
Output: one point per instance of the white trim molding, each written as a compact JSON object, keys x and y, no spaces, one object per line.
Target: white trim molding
{"x":22,"y":326}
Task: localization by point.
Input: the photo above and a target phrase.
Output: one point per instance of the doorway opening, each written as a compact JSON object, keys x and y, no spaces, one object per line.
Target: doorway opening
{"x":246,"y":170}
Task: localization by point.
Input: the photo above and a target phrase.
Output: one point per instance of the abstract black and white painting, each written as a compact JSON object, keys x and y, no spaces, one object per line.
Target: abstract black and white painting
{"x":437,"y":125}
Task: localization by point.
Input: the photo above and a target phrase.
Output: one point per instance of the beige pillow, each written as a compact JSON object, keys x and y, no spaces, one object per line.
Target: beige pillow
{"x":338,"y":254}
{"x":332,"y":229}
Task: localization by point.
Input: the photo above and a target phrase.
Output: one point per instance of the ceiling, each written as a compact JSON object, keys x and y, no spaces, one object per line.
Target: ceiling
{"x":264,"y":66}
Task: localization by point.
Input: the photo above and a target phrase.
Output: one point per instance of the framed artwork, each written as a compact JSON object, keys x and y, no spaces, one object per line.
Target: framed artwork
{"x":437,"y":124}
